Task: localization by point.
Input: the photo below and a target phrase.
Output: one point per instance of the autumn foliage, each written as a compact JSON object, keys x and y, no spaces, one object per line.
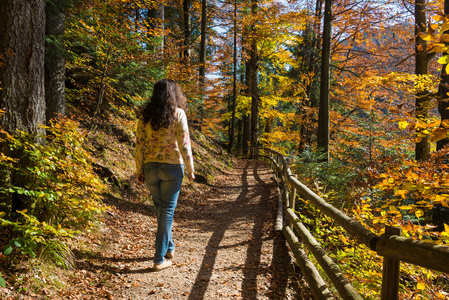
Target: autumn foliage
{"x":115,"y":53}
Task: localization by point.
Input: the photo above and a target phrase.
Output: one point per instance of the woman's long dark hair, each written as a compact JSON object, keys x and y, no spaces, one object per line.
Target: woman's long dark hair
{"x":160,"y":111}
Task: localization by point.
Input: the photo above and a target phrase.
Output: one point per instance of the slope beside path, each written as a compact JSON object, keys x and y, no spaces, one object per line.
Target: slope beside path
{"x":226,"y":247}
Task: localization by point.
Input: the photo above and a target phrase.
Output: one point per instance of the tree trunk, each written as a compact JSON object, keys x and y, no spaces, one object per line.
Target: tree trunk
{"x":202,"y":71}
{"x":186,"y":19}
{"x":317,"y":23}
{"x":323,"y":117}
{"x":422,"y":148}
{"x":234,"y":82}
{"x":443,"y":105}
{"x":22,"y":34}
{"x":246,"y":136}
{"x":239,"y":129}
{"x":155,"y":23}
{"x":252,"y":70}
{"x":54,"y":59}
{"x":22,"y":42}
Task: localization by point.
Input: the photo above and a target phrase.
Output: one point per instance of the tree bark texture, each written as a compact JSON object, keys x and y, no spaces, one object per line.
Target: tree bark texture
{"x":22,"y":43}
{"x":54,"y":59}
{"x":323,"y":116}
{"x":422,"y":99}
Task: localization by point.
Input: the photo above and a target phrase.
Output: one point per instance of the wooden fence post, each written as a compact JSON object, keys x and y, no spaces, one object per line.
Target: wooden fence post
{"x":390,"y":275}
{"x":277,"y":164}
{"x":292,"y":201}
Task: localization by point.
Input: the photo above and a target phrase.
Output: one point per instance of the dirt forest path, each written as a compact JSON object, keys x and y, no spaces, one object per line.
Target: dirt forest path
{"x":226,"y":245}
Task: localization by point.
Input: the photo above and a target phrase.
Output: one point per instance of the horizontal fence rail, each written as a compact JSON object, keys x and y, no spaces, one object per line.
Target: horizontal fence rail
{"x":390,"y":245}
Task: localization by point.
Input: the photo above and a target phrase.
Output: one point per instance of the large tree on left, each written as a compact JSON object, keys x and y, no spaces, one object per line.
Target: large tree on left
{"x":22,"y":45}
{"x":22,"y":97}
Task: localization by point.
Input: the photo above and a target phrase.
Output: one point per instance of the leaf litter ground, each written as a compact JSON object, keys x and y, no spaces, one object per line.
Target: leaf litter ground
{"x":226,"y":246}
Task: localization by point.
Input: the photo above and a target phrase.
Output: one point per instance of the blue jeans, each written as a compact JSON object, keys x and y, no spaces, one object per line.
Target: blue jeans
{"x":164,"y":182}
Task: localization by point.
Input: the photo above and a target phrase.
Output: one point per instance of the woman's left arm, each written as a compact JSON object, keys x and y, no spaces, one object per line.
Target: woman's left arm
{"x":184,"y":145}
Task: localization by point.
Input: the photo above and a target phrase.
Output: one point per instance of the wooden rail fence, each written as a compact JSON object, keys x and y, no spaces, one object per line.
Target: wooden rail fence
{"x":390,"y":245}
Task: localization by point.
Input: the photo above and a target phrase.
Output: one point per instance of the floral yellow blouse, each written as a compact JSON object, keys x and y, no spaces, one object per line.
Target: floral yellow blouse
{"x":167,"y":145}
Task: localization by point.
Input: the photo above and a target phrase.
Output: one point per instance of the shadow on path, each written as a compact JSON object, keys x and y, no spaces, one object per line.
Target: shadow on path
{"x":255,"y":205}
{"x":202,"y":280}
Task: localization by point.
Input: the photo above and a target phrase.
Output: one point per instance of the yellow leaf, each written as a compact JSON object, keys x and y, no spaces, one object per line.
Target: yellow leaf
{"x":446,"y":228}
{"x":439,"y":199}
{"x":420,"y":286}
{"x":419,"y":213}
{"x":405,"y":207}
{"x":402,"y":193}
{"x":445,"y":123}
{"x":438,"y":18}
{"x":392,"y":208}
{"x":445,"y":27}
{"x":420,"y":125}
{"x":440,"y":47}
{"x":2,"y":214}
{"x":443,"y":59}
{"x":426,"y":37}
{"x":444,"y":38}
{"x":438,"y":134}
{"x":403,"y":125}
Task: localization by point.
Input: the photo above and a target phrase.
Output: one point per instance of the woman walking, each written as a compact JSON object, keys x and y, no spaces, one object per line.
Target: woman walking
{"x":162,"y":149}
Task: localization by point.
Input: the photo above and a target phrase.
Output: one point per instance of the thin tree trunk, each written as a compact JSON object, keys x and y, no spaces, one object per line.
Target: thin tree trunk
{"x":186,"y":20}
{"x":246,"y":132}
{"x":234,"y":82}
{"x":443,"y":106}
{"x":246,"y":139}
{"x":55,"y":60}
{"x":323,"y":117}
{"x":239,"y":128}
{"x":202,"y":71}
{"x":102,"y":88}
{"x":202,"y":58}
{"x":317,"y":23}
{"x":253,"y":60}
{"x":422,"y":148}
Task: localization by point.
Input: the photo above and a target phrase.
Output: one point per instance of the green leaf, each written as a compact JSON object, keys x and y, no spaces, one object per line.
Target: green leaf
{"x":2,"y":281}
{"x":17,"y":244}
{"x":7,"y":250}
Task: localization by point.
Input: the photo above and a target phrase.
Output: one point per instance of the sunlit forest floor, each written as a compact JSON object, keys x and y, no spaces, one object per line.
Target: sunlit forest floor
{"x":226,"y":246}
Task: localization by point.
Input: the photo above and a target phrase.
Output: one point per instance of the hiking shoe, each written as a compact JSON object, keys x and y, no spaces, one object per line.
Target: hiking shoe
{"x":163,"y":265}
{"x":170,"y":254}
